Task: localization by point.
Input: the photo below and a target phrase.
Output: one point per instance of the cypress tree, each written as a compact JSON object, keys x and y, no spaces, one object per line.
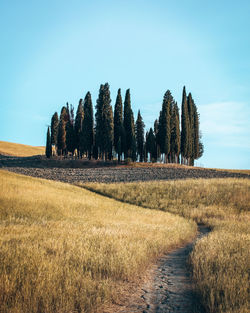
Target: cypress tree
{"x":123,"y":139}
{"x":48,"y":145}
{"x":95,"y":148}
{"x":160,"y":134}
{"x":157,"y":138}
{"x":108,"y":123}
{"x":78,"y":126}
{"x":196,"y":131}
{"x":133,"y":149}
{"x":175,"y":134}
{"x":190,"y":106}
{"x":61,"y":138}
{"x":128,"y":123}
{"x":54,"y":129}
{"x":151,"y":144}
{"x":99,"y":122}
{"x":164,"y":125}
{"x":156,"y":128}
{"x":104,"y":122}
{"x":118,"y":125}
{"x":64,"y":113}
{"x":87,"y":133}
{"x":146,"y":148}
{"x":139,"y":131}
{"x":184,"y":128}
{"x":67,"y":116}
{"x":198,"y":145}
{"x":70,"y":132}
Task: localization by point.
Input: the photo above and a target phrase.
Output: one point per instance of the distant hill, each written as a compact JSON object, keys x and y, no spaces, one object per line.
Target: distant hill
{"x":17,"y":149}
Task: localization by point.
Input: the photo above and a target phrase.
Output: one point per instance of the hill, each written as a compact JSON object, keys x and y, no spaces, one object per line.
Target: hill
{"x":66,"y":249}
{"x":17,"y":149}
{"x":220,"y":261}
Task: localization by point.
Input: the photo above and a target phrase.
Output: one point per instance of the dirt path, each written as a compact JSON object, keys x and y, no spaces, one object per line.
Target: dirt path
{"x":170,"y":289}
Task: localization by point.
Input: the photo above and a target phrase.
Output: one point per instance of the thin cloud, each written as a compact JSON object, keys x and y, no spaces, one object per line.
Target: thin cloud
{"x":226,"y":123}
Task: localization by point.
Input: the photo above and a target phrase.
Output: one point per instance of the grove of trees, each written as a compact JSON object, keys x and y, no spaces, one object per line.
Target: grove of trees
{"x":106,"y":135}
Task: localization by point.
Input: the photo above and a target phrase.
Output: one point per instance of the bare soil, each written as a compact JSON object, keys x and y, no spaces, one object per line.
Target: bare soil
{"x":107,"y":172}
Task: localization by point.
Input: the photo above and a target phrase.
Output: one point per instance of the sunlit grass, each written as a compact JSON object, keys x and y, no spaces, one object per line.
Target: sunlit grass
{"x":17,"y":149}
{"x":220,"y":261}
{"x":65,"y":249}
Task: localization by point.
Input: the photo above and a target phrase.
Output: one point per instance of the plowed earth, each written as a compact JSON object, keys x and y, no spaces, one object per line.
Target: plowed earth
{"x":75,"y":171}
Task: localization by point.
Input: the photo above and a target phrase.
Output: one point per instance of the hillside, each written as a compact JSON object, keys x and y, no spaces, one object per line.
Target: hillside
{"x":17,"y":149}
{"x":66,"y":249}
{"x":220,"y":261}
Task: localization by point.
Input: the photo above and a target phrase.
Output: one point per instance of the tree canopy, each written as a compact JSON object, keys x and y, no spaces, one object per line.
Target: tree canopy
{"x":116,"y":136}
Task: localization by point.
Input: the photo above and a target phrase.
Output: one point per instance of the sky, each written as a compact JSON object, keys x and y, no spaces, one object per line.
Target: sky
{"x":53,"y":52}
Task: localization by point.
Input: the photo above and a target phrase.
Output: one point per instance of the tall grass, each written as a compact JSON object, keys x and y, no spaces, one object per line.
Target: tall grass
{"x":65,"y":249}
{"x":220,"y":261}
{"x":17,"y":149}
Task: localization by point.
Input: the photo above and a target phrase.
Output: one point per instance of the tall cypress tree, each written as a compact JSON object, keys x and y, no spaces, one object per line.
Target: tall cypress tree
{"x":190,"y":154}
{"x":95,"y":148}
{"x":87,"y":134}
{"x":146,"y":148}
{"x":54,"y":129}
{"x":48,"y":151}
{"x":78,"y":126}
{"x":133,"y":149}
{"x":118,"y":125}
{"x":184,"y":128}
{"x":61,"y":138}
{"x":99,"y":122}
{"x":139,"y":131}
{"x":164,"y":124}
{"x":151,"y":144}
{"x":198,"y":145}
{"x":104,"y":122}
{"x":122,"y":140}
{"x":108,"y":124}
{"x":70,"y":132}
{"x":175,"y":134}
{"x":157,"y":138}
{"x":128,"y":123}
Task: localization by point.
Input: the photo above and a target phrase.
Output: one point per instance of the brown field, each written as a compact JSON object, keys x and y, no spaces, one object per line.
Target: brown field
{"x":220,"y":261}
{"x":54,"y":239}
{"x":17,"y":149}
{"x":66,"y":249}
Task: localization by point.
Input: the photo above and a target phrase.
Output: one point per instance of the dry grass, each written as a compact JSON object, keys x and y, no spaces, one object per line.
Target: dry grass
{"x":17,"y":149}
{"x":221,"y":260}
{"x":65,"y":249}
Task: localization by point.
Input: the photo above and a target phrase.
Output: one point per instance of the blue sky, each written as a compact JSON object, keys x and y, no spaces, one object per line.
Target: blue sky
{"x":55,"y":51}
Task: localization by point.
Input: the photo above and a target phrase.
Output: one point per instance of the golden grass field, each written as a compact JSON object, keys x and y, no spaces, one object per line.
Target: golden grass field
{"x":20,"y":150}
{"x":220,"y":261}
{"x":66,"y":249}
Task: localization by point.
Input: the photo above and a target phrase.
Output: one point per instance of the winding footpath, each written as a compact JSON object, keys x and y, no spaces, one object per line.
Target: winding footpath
{"x":170,"y":290}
